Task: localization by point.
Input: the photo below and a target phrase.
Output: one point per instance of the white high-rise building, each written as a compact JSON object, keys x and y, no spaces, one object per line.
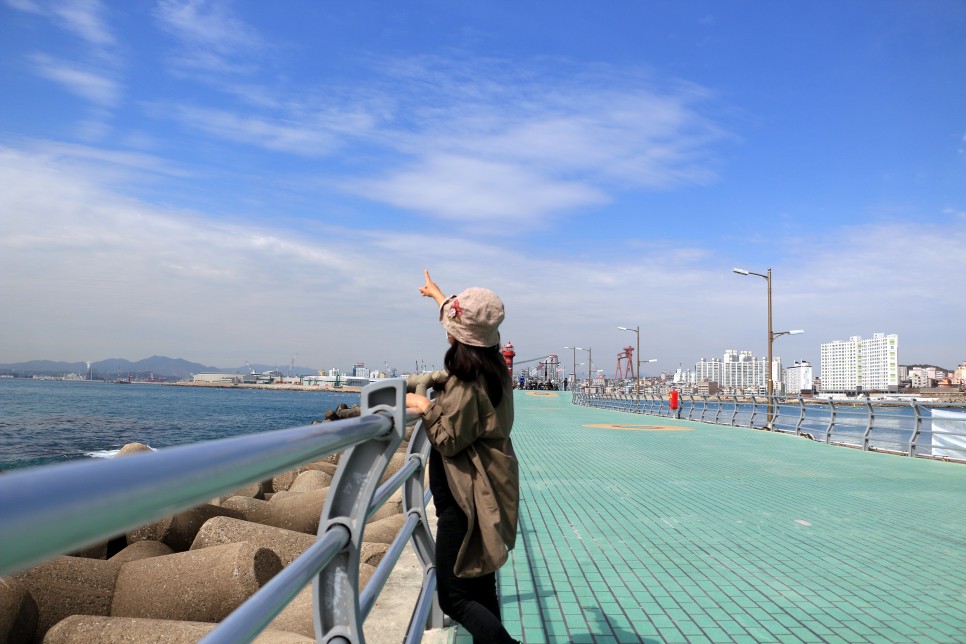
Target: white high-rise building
{"x":859,"y":365}
{"x":737,"y":370}
{"x":798,"y":378}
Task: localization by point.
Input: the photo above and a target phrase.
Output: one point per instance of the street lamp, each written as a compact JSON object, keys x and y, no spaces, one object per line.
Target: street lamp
{"x":637,"y":330}
{"x":590,"y":364}
{"x":574,"y":349}
{"x":770,"y":384}
{"x":639,"y":362}
{"x":771,"y":340}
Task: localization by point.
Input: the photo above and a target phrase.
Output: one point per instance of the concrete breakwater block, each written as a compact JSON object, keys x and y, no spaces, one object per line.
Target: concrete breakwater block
{"x":254,"y":490}
{"x":200,"y":585}
{"x":142,"y":550}
{"x":342,"y":411}
{"x":284,"y":481}
{"x":287,"y":544}
{"x":384,"y":530}
{"x":66,"y":586}
{"x":394,"y":505}
{"x":297,"y":617}
{"x":179,"y":531}
{"x":18,"y":612}
{"x":396,"y":463}
{"x":299,"y":511}
{"x":133,"y":448}
{"x":97,"y":551}
{"x":371,"y":553}
{"x":311,"y":480}
{"x":89,"y":629}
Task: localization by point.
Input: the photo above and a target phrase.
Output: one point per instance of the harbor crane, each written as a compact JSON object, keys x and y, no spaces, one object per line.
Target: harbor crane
{"x":626,"y":354}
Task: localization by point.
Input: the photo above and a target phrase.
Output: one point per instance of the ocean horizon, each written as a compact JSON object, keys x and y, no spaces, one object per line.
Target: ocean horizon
{"x":52,"y":421}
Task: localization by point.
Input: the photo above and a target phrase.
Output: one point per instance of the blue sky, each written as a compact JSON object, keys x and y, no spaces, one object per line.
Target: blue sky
{"x":232,"y":181}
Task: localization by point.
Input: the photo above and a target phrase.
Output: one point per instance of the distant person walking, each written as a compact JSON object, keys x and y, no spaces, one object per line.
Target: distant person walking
{"x":473,"y":472}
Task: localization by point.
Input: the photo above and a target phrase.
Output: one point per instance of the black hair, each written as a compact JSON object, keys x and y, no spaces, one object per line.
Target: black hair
{"x":469,"y":363}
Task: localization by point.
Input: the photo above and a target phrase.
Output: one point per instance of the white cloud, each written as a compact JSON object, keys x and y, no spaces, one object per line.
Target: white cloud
{"x":86,"y":83}
{"x":506,"y":144}
{"x":95,"y":274}
{"x":470,"y":190}
{"x":212,"y":38}
{"x":301,"y":138}
{"x":85,"y":18}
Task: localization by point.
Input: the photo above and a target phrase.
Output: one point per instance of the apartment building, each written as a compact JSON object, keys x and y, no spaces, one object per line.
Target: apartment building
{"x":798,"y":378}
{"x":858,"y":365}
{"x":736,"y":370}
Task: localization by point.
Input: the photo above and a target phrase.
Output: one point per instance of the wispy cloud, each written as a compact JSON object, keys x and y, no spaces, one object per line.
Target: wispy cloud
{"x":539,"y":148}
{"x":305,"y":138}
{"x":211,"y":37}
{"x":469,"y":190}
{"x":481,"y":141}
{"x":86,"y":82}
{"x":84,"y":18}
{"x":125,"y":269}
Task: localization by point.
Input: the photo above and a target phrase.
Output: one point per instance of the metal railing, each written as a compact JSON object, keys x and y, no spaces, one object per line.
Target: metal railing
{"x":913,"y":428}
{"x":52,"y":510}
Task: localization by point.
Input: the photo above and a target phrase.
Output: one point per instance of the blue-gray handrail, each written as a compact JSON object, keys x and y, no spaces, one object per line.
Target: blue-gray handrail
{"x":55,"y":509}
{"x":896,"y":427}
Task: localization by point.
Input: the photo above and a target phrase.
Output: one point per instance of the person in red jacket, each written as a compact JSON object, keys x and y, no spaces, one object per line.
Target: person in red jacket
{"x":473,"y":472}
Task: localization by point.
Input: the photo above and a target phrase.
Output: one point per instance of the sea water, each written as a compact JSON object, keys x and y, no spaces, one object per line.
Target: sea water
{"x":50,"y":421}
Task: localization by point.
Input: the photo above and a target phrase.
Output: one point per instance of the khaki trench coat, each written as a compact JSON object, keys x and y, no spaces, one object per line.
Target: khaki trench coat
{"x":473,"y":438}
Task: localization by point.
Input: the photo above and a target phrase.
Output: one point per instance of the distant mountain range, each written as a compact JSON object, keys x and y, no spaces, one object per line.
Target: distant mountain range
{"x":160,"y":366}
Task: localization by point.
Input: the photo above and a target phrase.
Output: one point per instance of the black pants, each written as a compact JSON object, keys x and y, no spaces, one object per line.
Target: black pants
{"x":471,"y":602}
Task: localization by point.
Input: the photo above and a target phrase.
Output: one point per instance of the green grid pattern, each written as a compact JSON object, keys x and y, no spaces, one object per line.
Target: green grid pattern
{"x":725,"y":534}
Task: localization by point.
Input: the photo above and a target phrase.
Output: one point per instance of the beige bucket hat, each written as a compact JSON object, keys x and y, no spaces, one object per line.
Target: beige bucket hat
{"x":473,"y":317}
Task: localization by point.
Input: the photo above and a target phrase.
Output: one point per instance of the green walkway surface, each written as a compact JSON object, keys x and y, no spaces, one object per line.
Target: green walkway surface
{"x":676,"y":531}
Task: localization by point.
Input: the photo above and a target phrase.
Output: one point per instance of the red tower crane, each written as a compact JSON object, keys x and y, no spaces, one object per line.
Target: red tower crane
{"x":626,"y":354}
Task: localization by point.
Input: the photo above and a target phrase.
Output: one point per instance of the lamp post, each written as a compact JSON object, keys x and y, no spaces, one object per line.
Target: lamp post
{"x":639,"y":362}
{"x":590,"y":364}
{"x":637,"y":331}
{"x":574,"y":349}
{"x":771,"y":340}
{"x":778,"y":334}
{"x":770,"y":385}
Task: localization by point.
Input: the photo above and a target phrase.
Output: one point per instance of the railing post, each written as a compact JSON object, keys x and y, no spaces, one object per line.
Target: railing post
{"x":335,"y":591}
{"x":414,"y":502}
{"x":917,"y":431}
{"x":868,"y":427}
{"x":704,"y":398}
{"x":831,"y":421}
{"x":734,"y":410}
{"x":754,"y":411}
{"x":801,"y":416}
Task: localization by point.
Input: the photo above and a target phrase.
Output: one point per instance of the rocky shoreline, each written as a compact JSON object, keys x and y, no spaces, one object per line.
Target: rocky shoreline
{"x":279,"y":387}
{"x":173,"y":580}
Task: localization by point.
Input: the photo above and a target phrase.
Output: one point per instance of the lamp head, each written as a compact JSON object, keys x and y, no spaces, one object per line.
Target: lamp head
{"x":740,"y":271}
{"x":796,"y":332}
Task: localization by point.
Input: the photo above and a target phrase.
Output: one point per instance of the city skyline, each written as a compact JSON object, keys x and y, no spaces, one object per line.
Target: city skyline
{"x":229,"y":182}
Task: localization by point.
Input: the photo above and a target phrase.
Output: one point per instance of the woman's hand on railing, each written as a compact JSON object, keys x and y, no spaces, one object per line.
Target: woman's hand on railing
{"x":417,"y":402}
